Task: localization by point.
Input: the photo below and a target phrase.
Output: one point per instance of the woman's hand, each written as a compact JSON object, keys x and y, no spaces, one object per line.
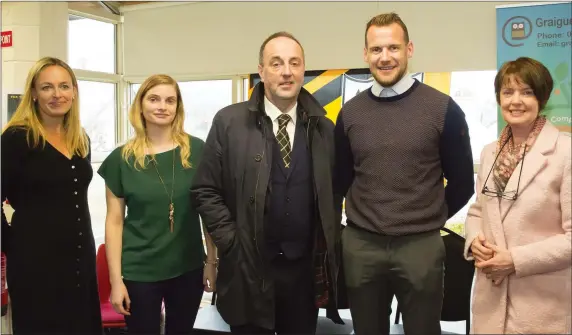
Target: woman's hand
{"x":209,"y":276}
{"x":120,"y":299}
{"x":499,"y":266}
{"x":479,"y":250}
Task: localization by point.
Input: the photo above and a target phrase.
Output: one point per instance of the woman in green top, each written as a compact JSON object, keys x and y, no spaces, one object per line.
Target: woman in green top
{"x":155,"y":252}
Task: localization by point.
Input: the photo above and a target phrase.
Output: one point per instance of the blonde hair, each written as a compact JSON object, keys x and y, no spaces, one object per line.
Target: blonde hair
{"x":27,"y":113}
{"x":136,"y":146}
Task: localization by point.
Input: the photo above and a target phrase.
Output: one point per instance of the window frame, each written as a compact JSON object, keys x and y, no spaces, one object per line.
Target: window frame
{"x":103,"y":77}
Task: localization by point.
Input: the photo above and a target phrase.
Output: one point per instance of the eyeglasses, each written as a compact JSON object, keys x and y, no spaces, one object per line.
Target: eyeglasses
{"x":510,"y":195}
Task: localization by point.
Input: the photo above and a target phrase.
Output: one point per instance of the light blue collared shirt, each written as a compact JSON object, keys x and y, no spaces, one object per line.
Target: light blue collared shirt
{"x":400,"y":87}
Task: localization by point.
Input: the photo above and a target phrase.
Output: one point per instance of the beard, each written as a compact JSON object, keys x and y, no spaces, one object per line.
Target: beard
{"x":389,"y":81}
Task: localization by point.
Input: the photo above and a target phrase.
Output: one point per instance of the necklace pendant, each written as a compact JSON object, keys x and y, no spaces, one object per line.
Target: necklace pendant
{"x":171,"y":216}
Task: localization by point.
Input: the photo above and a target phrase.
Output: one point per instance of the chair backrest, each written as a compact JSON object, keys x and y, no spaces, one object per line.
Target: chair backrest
{"x":103,"y":283}
{"x":458,"y":279}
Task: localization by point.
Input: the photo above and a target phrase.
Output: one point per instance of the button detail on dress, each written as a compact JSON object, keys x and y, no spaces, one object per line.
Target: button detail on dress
{"x":75,"y":192}
{"x":76,"y":206}
{"x":73,"y":166}
{"x":75,"y":179}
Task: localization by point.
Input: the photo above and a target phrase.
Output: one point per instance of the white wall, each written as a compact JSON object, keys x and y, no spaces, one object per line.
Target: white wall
{"x":38,"y":29}
{"x":223,"y":38}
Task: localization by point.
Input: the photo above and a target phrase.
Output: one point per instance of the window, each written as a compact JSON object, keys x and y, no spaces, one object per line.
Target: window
{"x":91,"y":44}
{"x":245,"y":88}
{"x":202,"y":100}
{"x":92,"y":54}
{"x":474,"y":92}
{"x":97,"y":106}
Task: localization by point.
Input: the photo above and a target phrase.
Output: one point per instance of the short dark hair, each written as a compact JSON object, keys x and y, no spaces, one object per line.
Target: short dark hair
{"x":530,"y":72}
{"x":383,"y":20}
{"x":273,"y":36}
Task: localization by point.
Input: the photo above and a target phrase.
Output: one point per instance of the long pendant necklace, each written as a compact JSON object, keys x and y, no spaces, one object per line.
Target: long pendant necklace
{"x":171,"y":205}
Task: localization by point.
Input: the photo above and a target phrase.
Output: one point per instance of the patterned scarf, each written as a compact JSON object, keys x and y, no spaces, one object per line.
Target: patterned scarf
{"x":511,"y":155}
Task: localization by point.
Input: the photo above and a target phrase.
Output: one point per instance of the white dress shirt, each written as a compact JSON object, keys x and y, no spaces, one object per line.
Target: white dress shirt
{"x":273,"y":112}
{"x":400,"y":87}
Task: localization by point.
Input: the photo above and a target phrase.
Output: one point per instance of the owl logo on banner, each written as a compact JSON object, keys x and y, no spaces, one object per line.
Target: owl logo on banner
{"x":515,"y":30}
{"x":352,"y":86}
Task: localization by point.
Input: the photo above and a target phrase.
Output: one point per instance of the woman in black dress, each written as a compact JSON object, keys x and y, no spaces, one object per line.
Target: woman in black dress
{"x":46,"y":171}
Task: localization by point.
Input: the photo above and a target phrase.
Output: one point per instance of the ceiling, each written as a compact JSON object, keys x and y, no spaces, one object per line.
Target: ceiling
{"x":111,"y":6}
{"x":127,"y":3}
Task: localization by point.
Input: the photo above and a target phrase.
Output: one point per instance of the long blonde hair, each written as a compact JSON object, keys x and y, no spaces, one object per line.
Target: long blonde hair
{"x":27,"y":113}
{"x":136,"y":146}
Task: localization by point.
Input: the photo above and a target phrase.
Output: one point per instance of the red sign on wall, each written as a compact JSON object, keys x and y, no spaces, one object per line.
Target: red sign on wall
{"x":6,"y":39}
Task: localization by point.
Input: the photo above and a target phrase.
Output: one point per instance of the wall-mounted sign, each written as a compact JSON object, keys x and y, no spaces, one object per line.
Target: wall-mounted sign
{"x":13,"y":102}
{"x":6,"y":39}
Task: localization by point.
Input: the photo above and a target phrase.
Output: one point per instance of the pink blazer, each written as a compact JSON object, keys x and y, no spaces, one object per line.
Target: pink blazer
{"x":535,"y":228}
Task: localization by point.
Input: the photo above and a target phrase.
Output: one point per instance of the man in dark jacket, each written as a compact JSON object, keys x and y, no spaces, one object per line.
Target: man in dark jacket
{"x":264,"y":191}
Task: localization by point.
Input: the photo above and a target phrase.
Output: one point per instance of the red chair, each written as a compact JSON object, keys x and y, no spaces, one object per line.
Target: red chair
{"x":109,"y":317}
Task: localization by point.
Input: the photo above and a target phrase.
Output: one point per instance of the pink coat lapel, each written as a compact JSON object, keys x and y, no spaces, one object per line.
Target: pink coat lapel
{"x":534,"y":161}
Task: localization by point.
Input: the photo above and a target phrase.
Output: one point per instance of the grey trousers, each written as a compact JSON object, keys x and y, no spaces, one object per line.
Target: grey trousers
{"x":378,"y":266}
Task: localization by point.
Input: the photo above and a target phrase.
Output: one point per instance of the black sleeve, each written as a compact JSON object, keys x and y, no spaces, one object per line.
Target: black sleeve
{"x":14,"y":148}
{"x":207,"y":191}
{"x":88,"y":148}
{"x":344,"y":163}
{"x":457,"y":159}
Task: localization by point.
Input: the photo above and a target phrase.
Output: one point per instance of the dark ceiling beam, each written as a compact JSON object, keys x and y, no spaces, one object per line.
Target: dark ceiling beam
{"x":110,"y":6}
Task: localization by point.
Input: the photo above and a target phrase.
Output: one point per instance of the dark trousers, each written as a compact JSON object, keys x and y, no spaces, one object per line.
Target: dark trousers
{"x":377,"y":266}
{"x":295,"y":310}
{"x":182,"y":296}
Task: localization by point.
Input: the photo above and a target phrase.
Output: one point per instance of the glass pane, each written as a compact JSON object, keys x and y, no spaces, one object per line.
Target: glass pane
{"x":91,"y":44}
{"x":245,"y":89}
{"x":97,"y":106}
{"x":203,"y":99}
{"x":98,"y":117}
{"x":97,"y":205}
{"x":475,"y":93}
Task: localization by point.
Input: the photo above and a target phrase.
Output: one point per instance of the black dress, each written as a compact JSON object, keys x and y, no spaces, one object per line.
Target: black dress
{"x":51,"y":272}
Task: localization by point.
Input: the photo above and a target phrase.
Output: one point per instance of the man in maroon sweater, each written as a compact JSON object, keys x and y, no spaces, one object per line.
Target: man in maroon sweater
{"x":394,"y":145}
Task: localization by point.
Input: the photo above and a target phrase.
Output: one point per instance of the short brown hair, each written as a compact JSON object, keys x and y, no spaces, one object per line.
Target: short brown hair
{"x":530,"y":72}
{"x":273,"y":36}
{"x":383,"y":20}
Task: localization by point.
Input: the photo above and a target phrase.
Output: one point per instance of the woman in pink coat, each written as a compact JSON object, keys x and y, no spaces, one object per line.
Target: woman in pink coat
{"x":518,"y":230}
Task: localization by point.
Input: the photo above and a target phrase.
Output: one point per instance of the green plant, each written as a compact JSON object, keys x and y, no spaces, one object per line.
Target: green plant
{"x":457,"y":227}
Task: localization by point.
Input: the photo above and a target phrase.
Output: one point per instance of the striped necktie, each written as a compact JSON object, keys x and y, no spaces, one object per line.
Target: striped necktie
{"x":283,"y":139}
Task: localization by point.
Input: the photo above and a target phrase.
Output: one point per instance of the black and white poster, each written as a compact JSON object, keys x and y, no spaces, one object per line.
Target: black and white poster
{"x":13,"y":102}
